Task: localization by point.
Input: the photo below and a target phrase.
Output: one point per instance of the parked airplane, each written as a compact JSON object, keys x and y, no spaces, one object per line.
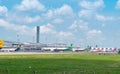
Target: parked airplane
{"x":69,"y":48}
{"x":53,"y":48}
{"x":104,"y":50}
{"x":79,"y":49}
{"x":8,"y":48}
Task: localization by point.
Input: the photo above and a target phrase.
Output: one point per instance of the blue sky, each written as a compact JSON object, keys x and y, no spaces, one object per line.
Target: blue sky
{"x":81,"y":22}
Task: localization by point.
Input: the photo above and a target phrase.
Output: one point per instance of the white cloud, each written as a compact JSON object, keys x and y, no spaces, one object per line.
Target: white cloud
{"x":58,"y":21}
{"x":47,"y":29}
{"x":74,"y":25}
{"x":65,"y":11}
{"x":84,"y":27}
{"x":3,"y":10}
{"x":32,"y":19}
{"x":92,"y":5}
{"x":65,"y":36}
{"x":86,"y":13}
{"x":95,"y":37}
{"x":89,"y":8}
{"x":118,"y":5}
{"x":93,"y":33}
{"x":104,"y":18}
{"x":23,"y":19}
{"x":61,"y":36}
{"x":79,"y":25}
{"x":30,"y":5}
{"x":21,"y":29}
{"x":49,"y":14}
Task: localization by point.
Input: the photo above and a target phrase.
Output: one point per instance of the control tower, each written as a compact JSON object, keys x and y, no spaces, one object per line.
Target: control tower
{"x":37,"y":34}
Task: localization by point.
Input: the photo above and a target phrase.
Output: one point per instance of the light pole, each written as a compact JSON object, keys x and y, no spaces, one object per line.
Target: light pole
{"x":18,"y":38}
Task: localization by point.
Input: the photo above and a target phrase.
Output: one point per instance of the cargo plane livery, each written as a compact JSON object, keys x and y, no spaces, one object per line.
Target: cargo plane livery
{"x":7,"y":48}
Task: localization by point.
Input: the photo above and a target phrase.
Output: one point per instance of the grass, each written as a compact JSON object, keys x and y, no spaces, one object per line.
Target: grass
{"x":60,"y":64}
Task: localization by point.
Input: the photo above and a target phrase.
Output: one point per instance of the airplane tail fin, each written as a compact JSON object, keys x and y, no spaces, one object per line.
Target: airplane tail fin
{"x":87,"y":48}
{"x":69,"y":47}
{"x":1,"y":43}
{"x":18,"y":48}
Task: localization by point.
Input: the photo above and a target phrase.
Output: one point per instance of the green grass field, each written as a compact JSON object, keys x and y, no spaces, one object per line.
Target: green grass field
{"x":60,"y":64}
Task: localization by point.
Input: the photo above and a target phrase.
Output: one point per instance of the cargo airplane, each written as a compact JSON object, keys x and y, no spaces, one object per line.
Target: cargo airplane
{"x":7,"y":48}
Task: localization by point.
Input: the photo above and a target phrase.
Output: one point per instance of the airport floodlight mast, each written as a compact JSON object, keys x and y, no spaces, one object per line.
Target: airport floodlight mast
{"x":18,"y":38}
{"x":33,"y":39}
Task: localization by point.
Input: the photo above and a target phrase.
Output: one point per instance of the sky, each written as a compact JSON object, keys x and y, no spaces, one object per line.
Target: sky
{"x":81,"y":22}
